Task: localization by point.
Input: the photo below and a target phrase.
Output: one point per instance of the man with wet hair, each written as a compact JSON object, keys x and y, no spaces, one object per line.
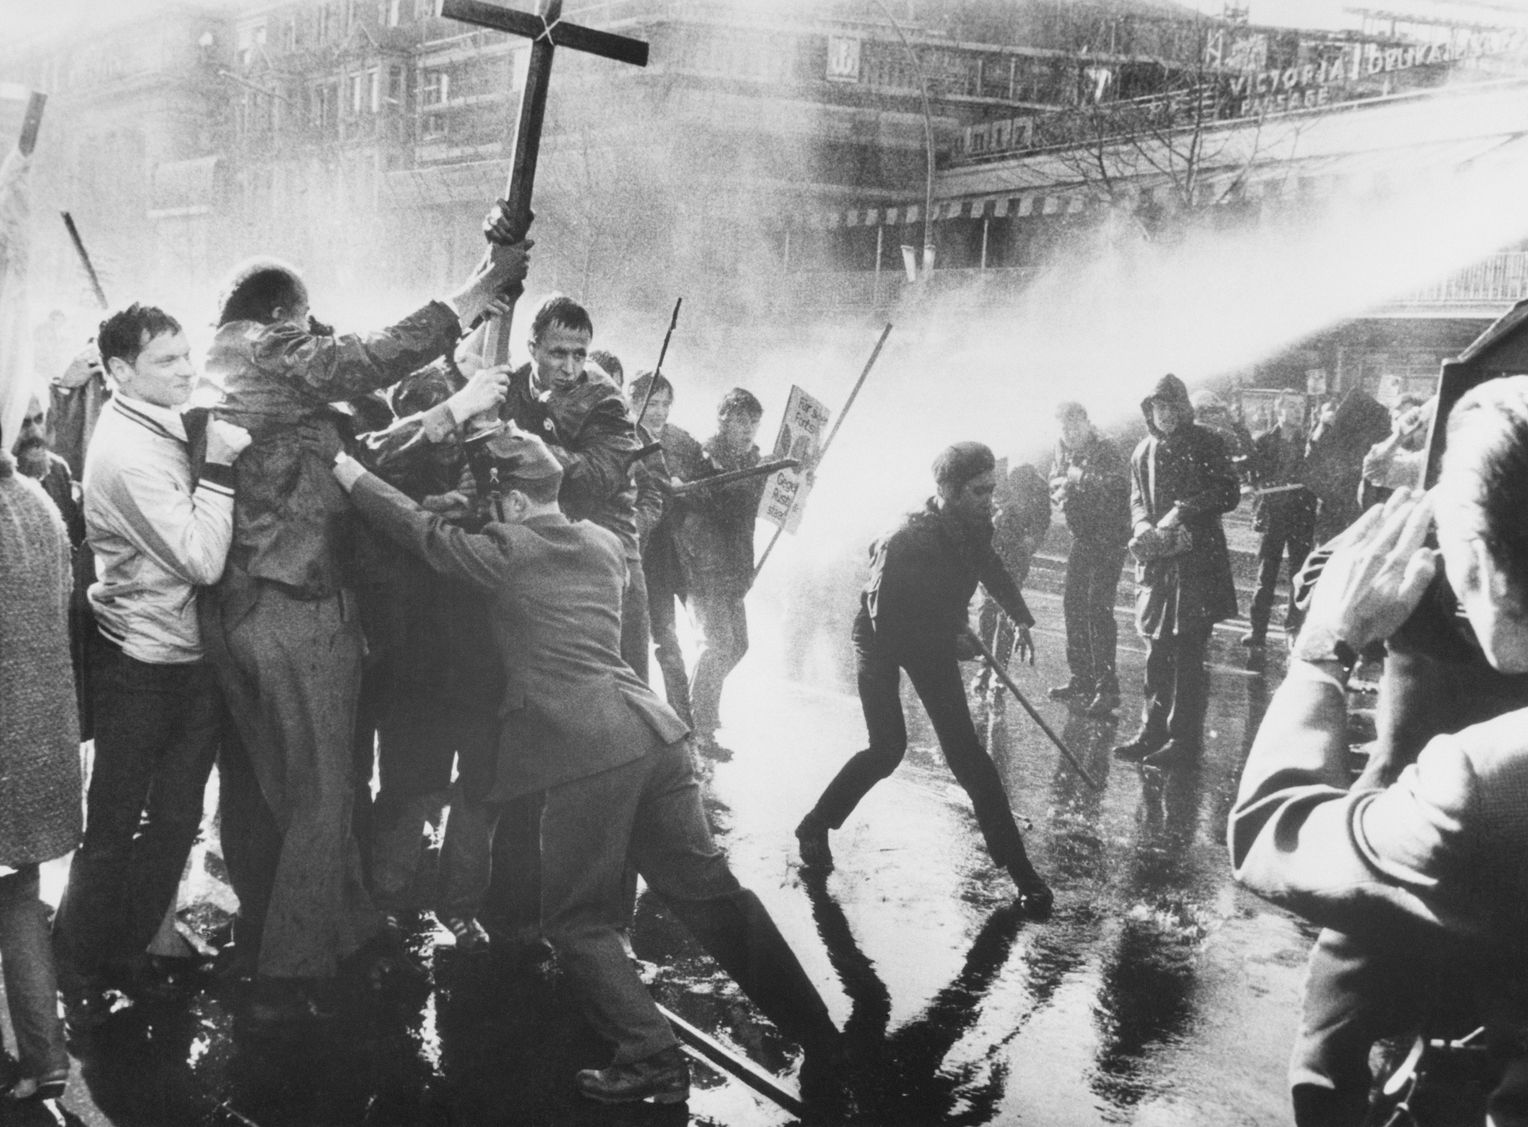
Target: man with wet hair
{"x":1286,"y":519}
{"x":1422,"y":872}
{"x":1181,"y":481}
{"x":1090,"y":484}
{"x":283,"y":627}
{"x":912,"y":616}
{"x":714,"y":537}
{"x":610,"y":758}
{"x":159,"y":523}
{"x":682,"y":458}
{"x":585,"y":422}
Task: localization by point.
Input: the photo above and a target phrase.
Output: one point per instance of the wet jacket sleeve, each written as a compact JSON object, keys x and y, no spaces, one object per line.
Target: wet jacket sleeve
{"x":482,"y":559}
{"x":1360,"y":861}
{"x":1219,"y":488}
{"x":1000,"y":585}
{"x":394,"y":452}
{"x":596,"y":454}
{"x":348,"y":365}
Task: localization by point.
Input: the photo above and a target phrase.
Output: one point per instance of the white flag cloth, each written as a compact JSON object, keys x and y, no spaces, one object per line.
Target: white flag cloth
{"x":16,"y":375}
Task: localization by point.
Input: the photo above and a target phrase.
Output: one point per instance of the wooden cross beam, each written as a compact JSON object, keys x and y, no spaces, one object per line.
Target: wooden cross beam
{"x":547,"y":31}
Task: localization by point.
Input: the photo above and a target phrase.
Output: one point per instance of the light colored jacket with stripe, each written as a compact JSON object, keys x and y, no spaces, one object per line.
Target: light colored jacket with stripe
{"x":157,"y":532}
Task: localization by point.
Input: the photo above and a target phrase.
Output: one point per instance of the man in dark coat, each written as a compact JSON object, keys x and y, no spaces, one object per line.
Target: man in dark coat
{"x":1335,"y":458}
{"x":611,"y":758}
{"x":1286,"y":516}
{"x":583,"y":418}
{"x":913,"y":616}
{"x":1417,"y":869}
{"x":715,"y":545}
{"x":1091,"y":485}
{"x":1181,"y":480}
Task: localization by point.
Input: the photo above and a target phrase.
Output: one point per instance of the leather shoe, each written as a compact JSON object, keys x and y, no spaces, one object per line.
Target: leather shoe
{"x":1174,"y":753}
{"x":663,"y":1078}
{"x":1035,"y":896}
{"x":282,"y":1005}
{"x":1067,"y":691}
{"x":1138,"y":748}
{"x":1255,"y":639}
{"x":812,"y":840}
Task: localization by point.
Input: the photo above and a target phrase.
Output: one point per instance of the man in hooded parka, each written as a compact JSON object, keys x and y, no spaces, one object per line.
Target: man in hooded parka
{"x":1181,"y":480}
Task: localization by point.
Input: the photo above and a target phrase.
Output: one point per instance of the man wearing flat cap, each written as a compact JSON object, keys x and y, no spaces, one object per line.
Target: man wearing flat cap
{"x":612,"y":761}
{"x":913,"y":616}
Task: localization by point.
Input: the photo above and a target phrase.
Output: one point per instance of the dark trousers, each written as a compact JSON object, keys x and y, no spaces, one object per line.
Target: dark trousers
{"x":649,"y":811}
{"x":936,"y":677}
{"x":250,"y":839}
{"x":1277,"y":542}
{"x":1092,"y":636}
{"x":723,"y":624}
{"x":291,"y":670}
{"x":31,"y":984}
{"x":662,"y":591}
{"x":1177,"y":687}
{"x":447,"y":687}
{"x":156,"y":737}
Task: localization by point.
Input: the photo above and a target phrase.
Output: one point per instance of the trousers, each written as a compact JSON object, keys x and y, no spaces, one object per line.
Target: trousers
{"x":290,"y":670}
{"x":1087,"y":604}
{"x":722,"y":621}
{"x":31,"y":983}
{"x":1177,"y":686}
{"x":936,"y":677}
{"x":1282,"y":539}
{"x":649,"y":811}
{"x":157,"y":730}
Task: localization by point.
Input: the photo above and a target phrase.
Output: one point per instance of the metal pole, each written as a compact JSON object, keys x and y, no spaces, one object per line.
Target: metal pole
{"x":1002,"y":675}
{"x":928,"y":132}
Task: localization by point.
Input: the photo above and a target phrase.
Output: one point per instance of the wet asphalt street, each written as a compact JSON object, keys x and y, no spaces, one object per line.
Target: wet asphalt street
{"x":1157,"y":993}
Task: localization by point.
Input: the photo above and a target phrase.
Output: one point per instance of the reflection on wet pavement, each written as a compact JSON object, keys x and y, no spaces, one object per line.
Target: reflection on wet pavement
{"x":1156,"y":993}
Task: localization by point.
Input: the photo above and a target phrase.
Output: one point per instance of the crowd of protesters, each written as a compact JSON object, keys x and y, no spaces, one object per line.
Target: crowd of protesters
{"x":378,"y":555}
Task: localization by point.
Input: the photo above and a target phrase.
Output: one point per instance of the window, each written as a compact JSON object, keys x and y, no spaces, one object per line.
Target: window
{"x":394,"y":12}
{"x":395,"y":85}
{"x":357,"y":94}
{"x":434,"y":88}
{"x":374,"y":90}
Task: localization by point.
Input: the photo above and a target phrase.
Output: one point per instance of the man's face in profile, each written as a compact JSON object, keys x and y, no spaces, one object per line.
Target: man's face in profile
{"x":31,"y":445}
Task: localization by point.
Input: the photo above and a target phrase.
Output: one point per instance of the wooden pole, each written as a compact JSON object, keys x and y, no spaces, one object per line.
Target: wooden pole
{"x":827,"y":442}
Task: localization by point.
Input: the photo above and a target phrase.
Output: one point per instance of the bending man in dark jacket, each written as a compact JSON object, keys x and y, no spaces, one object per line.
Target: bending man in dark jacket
{"x":1181,"y":480}
{"x":611,"y":758}
{"x":1090,"y":484}
{"x":913,"y":617}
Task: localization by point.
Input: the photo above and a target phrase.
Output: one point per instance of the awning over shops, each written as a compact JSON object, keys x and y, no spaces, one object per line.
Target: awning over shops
{"x":1351,"y":155}
{"x":183,"y":188}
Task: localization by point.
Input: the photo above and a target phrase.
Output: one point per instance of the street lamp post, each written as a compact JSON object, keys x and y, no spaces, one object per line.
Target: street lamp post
{"x":928,"y":142}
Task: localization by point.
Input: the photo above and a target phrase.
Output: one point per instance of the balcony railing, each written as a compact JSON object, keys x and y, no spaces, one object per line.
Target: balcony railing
{"x":1500,"y":278}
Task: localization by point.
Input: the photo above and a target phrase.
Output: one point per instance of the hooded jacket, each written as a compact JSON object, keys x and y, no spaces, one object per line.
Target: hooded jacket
{"x":1191,"y":470}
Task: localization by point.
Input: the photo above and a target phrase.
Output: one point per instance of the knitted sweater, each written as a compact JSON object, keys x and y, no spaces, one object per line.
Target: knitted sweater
{"x":39,"y":736}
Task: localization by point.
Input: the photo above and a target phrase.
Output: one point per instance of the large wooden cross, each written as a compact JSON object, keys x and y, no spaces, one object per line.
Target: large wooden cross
{"x":547,"y":31}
